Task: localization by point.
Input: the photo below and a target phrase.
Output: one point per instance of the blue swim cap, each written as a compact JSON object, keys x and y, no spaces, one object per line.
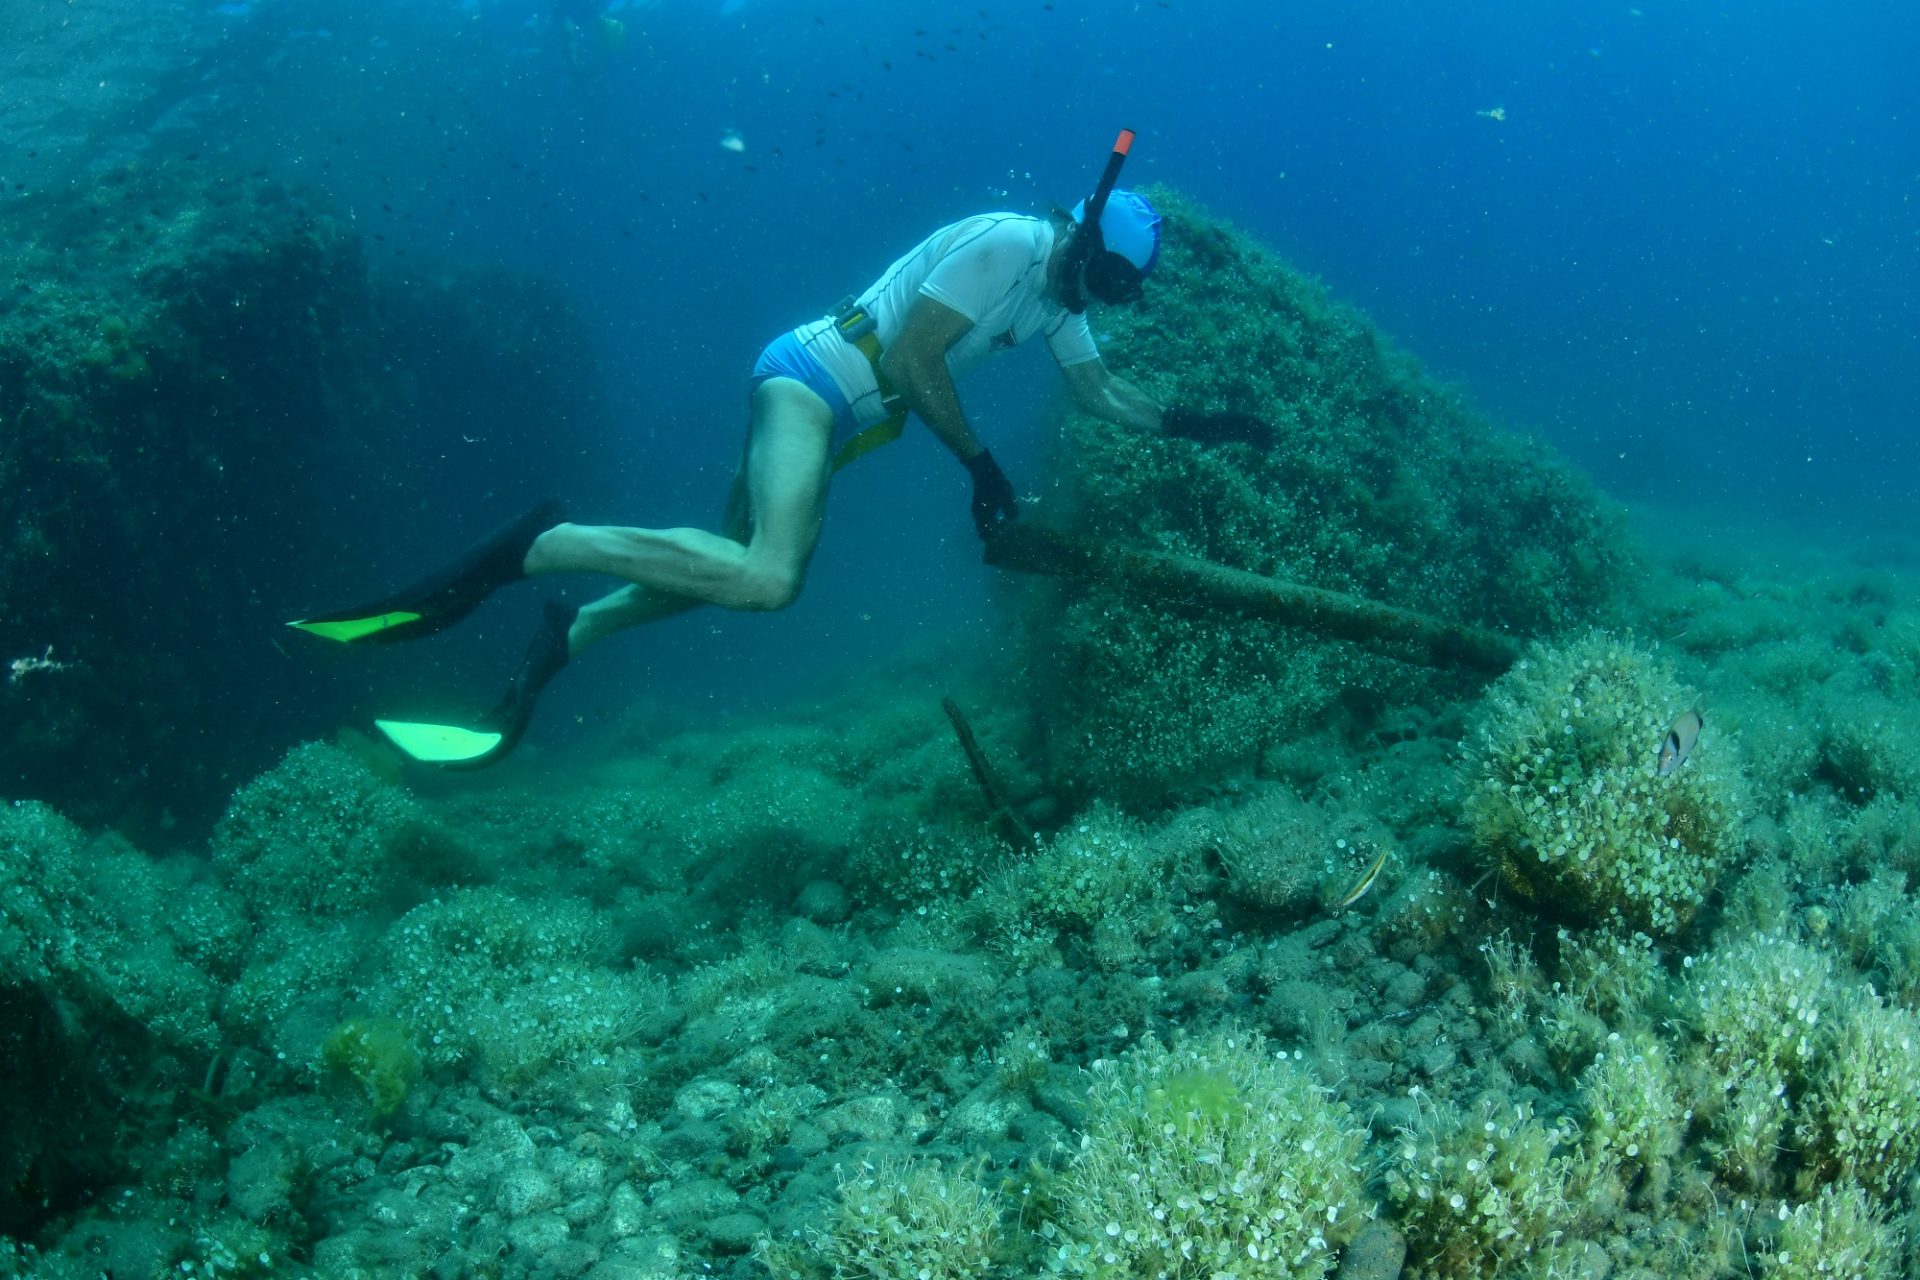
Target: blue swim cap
{"x":1129,"y":226}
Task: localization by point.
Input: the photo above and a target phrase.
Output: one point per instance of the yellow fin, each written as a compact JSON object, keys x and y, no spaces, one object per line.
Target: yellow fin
{"x":439,"y":743}
{"x":347,"y":630}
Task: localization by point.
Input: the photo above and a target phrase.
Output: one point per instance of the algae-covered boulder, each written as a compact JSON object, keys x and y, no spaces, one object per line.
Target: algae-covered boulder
{"x":1379,"y":482}
{"x":319,"y":836}
{"x":214,"y":405}
{"x":1568,"y":803}
{"x":511,"y":986}
{"x":101,"y":999}
{"x":320,"y":852}
{"x":1218,"y":1156}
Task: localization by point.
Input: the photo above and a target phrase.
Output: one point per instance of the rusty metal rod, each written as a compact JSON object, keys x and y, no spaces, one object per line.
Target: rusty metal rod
{"x":990,"y":784}
{"x":1182,"y":580}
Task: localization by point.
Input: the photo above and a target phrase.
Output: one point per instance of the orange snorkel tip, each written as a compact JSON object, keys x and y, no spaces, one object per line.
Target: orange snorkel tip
{"x":1097,"y":202}
{"x":1088,"y":242}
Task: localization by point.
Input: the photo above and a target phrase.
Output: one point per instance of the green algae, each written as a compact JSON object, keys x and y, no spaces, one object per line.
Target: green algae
{"x":1381,"y":483}
{"x":376,"y":1054}
{"x":1191,"y":1099}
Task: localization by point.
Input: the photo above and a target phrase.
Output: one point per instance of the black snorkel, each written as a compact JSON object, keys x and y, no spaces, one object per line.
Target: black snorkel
{"x":1087,"y":240}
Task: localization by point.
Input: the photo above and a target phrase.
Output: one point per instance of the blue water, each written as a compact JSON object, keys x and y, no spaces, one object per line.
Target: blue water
{"x":1687,"y":254}
{"x":1678,"y":241}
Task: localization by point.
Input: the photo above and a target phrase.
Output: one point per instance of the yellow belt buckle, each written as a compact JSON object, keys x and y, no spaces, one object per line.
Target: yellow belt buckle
{"x":853,"y":320}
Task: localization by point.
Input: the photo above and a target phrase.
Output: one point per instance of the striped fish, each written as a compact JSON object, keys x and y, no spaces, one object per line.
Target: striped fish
{"x":1362,"y":886}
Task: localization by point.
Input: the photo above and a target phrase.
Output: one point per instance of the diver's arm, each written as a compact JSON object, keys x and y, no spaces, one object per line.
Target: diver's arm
{"x":916,"y":364}
{"x":1111,"y":399}
{"x":1116,"y":400}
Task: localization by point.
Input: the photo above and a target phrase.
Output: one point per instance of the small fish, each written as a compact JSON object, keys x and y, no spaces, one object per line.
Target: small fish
{"x":1363,"y":886}
{"x":1678,"y":744}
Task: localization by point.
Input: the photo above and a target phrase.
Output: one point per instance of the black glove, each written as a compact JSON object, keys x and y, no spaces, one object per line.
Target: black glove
{"x":1217,"y":428}
{"x":993,"y":497}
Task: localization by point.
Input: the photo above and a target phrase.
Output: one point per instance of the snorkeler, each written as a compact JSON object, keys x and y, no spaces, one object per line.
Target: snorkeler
{"x":820,"y":396}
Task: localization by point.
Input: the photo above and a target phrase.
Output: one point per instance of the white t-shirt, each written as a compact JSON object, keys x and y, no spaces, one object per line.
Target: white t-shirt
{"x":992,"y":269}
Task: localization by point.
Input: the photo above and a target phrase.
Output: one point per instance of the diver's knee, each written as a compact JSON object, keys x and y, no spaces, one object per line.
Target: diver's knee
{"x":770,"y":590}
{"x":549,"y":552}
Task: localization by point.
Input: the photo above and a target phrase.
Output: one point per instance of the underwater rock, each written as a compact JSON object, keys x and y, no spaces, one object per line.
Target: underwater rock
{"x":695,"y":1200}
{"x":100,"y":1000}
{"x":1382,"y":483}
{"x":1568,"y":805}
{"x":823,"y":902}
{"x":733,"y":1233}
{"x":1377,"y":1253}
{"x":208,"y":395}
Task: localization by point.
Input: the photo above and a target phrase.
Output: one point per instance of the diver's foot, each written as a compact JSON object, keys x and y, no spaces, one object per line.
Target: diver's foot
{"x":443,"y":598}
{"x":499,"y":731}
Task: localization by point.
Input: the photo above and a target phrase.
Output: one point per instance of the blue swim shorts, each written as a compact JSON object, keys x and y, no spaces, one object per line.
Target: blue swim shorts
{"x":786,"y":357}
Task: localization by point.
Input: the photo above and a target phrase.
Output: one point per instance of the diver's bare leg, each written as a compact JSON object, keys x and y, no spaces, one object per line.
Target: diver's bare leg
{"x":630,"y":606}
{"x":634,"y":605}
{"x":762,"y":568}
